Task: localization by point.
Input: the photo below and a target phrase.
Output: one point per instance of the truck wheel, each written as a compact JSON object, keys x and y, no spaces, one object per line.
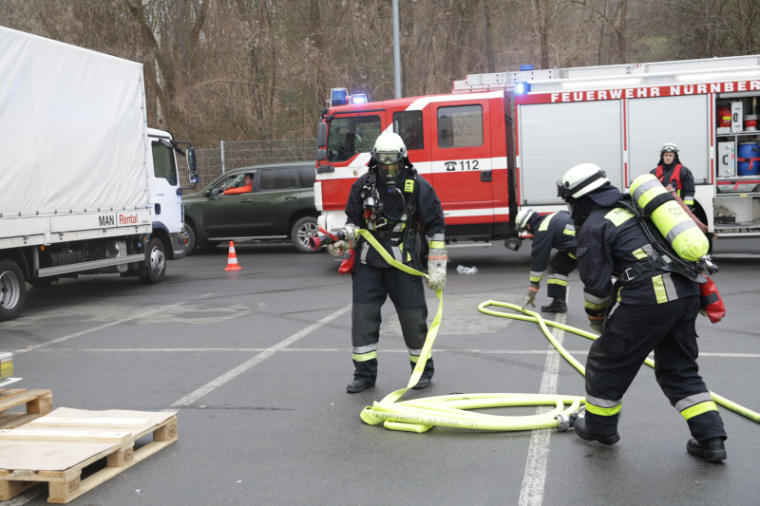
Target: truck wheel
{"x":302,"y":230}
{"x":155,"y":262}
{"x":12,"y":290}
{"x":192,"y":240}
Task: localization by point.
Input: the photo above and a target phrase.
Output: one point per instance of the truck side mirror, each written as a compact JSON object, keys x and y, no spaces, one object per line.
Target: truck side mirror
{"x":192,"y":164}
{"x":322,"y":135}
{"x":321,"y":154}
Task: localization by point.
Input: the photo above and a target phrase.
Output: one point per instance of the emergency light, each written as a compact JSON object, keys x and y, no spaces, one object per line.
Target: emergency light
{"x":359,"y":98}
{"x":338,"y":96}
{"x":521,"y":88}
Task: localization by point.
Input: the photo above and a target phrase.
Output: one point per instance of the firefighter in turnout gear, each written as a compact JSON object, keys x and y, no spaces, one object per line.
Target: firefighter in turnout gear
{"x":655,"y":311}
{"x":402,"y":211}
{"x":670,"y":172}
{"x":553,"y":231}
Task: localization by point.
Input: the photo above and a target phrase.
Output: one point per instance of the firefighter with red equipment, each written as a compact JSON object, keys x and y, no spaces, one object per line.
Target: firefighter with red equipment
{"x":657,"y":310}
{"x":553,"y":231}
{"x":670,"y":172}
{"x":397,"y":207}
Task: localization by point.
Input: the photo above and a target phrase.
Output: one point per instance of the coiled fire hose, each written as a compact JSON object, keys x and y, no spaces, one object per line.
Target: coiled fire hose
{"x":421,"y":415}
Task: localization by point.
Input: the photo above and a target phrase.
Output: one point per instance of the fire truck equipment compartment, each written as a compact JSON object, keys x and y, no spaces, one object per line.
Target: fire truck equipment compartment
{"x":749,"y":158}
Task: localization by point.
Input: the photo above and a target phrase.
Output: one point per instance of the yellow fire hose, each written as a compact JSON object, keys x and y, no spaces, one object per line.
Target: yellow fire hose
{"x":421,"y":415}
{"x":535,"y":317}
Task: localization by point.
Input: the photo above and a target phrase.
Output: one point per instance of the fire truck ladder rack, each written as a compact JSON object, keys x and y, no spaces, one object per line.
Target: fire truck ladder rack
{"x":505,"y":80}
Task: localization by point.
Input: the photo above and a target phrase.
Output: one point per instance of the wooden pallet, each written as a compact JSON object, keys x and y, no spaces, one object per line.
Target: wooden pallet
{"x":38,"y":403}
{"x":65,"y":486}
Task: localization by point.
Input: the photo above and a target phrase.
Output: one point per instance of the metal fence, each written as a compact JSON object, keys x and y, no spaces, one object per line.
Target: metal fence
{"x":238,"y":154}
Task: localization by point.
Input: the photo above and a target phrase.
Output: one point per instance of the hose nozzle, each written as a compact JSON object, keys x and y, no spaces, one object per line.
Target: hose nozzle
{"x":708,"y":265}
{"x":323,"y":238}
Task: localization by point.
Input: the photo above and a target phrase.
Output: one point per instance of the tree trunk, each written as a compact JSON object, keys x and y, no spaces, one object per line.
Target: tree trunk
{"x":622,"y":22}
{"x":543,"y":23}
{"x":488,"y":37}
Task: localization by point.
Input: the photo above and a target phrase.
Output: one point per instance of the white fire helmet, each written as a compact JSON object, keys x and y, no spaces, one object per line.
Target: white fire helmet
{"x":581,"y":180}
{"x":669,"y":147}
{"x":522,"y":218}
{"x":389,"y":152}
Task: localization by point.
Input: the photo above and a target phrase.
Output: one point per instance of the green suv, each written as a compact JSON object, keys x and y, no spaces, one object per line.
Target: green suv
{"x":278,"y":205}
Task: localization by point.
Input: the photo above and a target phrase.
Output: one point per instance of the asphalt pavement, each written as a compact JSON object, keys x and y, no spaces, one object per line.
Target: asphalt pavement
{"x":256,"y":363}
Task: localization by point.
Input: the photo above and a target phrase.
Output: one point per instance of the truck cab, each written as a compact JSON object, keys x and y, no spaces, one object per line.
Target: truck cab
{"x":166,"y":194}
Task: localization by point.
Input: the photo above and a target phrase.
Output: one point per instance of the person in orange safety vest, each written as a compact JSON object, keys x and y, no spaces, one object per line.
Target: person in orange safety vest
{"x":670,"y":172}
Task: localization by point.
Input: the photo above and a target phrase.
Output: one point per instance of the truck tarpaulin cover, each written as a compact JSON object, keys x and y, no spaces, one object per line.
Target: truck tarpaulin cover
{"x":72,"y":129}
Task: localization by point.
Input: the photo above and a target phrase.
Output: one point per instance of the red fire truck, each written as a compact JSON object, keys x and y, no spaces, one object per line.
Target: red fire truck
{"x":487,"y":158}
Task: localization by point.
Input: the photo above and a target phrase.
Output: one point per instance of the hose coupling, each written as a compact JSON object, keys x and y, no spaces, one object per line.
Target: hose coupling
{"x":563,"y":422}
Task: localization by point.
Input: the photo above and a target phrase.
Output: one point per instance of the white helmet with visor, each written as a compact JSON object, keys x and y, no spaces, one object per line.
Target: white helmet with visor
{"x":389,"y":152}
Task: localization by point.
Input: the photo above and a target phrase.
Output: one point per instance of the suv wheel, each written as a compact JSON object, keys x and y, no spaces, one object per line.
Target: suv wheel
{"x":303,"y":229}
{"x":192,"y":240}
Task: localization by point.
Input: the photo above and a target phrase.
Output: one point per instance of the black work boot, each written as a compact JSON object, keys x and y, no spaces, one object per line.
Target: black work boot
{"x":359,"y":384}
{"x":427,"y":374}
{"x":557,"y":306}
{"x":712,"y":450}
{"x":588,"y":435}
{"x":422,"y":383}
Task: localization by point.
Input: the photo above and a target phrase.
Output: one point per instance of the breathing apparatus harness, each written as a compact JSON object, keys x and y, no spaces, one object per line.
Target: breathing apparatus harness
{"x":663,"y":258}
{"x":375,"y":211}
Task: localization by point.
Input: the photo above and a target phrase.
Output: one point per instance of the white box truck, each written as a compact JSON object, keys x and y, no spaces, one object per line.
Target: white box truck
{"x":85,"y":186}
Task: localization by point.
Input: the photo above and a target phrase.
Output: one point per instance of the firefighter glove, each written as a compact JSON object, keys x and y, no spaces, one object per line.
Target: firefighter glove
{"x":437,"y":261}
{"x":531,"y":297}
{"x":336,"y":249}
{"x":596,"y":324}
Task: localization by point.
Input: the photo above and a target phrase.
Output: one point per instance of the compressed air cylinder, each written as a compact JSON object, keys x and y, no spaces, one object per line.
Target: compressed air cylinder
{"x":669,"y":217}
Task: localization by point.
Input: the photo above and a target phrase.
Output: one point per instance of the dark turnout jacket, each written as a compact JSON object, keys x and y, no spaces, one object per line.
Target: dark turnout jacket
{"x":389,"y":233}
{"x":554,"y":230}
{"x":610,"y":241}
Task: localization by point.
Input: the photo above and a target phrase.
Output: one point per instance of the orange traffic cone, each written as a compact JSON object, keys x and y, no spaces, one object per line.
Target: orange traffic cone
{"x":232,"y":264}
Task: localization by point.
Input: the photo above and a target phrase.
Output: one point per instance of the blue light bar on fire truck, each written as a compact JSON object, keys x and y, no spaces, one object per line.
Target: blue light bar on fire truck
{"x":359,"y":98}
{"x":522,"y":88}
{"x":339,"y":96}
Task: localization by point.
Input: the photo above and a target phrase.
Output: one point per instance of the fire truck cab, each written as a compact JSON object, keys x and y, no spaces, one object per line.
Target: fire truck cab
{"x":485,"y":166}
{"x":458,"y":142}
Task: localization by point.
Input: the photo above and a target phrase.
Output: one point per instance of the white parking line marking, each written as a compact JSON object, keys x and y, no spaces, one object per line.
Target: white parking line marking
{"x":309,"y":350}
{"x":532,"y":490}
{"x":344,"y":350}
{"x":100,"y":327}
{"x":730,"y":355}
{"x":224,"y":378}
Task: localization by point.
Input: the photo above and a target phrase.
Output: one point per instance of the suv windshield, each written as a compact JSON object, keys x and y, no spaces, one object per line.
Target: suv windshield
{"x":349,"y":136}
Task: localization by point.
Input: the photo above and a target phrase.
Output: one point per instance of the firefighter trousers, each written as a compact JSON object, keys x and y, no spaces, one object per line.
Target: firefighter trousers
{"x":561,"y":264}
{"x":630,"y":334}
{"x":371,"y":288}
